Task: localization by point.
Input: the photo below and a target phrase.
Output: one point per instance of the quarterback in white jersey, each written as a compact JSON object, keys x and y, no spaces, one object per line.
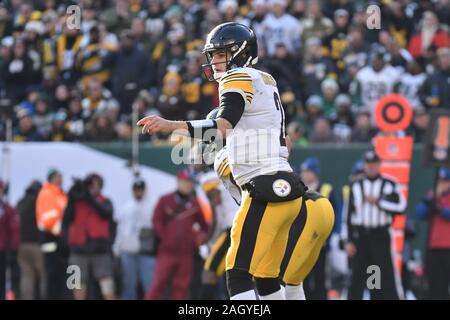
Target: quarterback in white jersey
{"x":251,"y":118}
{"x":257,"y":144}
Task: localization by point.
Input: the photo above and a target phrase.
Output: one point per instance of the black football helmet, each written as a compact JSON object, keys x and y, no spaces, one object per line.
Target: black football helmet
{"x":237,"y":40}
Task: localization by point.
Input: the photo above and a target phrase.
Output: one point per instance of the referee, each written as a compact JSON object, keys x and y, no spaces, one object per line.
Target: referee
{"x":374,"y":199}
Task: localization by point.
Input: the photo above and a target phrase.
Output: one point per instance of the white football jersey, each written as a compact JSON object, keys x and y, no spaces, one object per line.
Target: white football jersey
{"x":256,"y":145}
{"x":285,"y":29}
{"x":409,"y":88}
{"x":374,"y":85}
{"x":223,"y":171}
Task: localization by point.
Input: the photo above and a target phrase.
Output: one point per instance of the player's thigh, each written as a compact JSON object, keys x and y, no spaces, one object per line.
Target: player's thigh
{"x":255,"y":228}
{"x":273,"y":237}
{"x":318,"y":225}
{"x":268,"y":267}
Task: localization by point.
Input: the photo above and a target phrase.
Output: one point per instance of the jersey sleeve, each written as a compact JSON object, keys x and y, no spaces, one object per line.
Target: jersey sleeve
{"x":237,"y":81}
{"x":221,"y":165}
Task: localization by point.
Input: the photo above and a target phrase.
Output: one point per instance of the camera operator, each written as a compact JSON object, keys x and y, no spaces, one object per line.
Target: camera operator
{"x":88,"y":222}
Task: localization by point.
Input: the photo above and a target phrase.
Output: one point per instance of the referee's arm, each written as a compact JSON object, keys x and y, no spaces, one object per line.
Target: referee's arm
{"x":394,"y":203}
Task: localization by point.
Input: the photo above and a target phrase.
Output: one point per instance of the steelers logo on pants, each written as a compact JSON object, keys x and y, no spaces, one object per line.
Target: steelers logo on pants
{"x":281,"y":187}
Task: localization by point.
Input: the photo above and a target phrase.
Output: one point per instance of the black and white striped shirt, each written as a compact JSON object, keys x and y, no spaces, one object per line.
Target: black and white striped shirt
{"x":361,"y":213}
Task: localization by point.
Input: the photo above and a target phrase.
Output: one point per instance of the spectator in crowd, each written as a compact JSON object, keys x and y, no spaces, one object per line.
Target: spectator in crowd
{"x":181,"y":229}
{"x":98,"y":99}
{"x":330,"y":90}
{"x":17,"y":72}
{"x":88,"y":222}
{"x":296,"y":133}
{"x":174,"y":59}
{"x":9,"y":239}
{"x":6,"y":23}
{"x":342,"y":120}
{"x":170,"y":102}
{"x":435,"y":207}
{"x":362,"y":131}
{"x":314,"y":111}
{"x":118,"y":17}
{"x":89,"y":61}
{"x":430,"y":37}
{"x":34,"y":30}
{"x":354,"y":57}
{"x":50,"y":205}
{"x":229,"y":10}
{"x":142,"y":37}
{"x":420,"y":125}
{"x":255,"y":20}
{"x":410,"y":84}
{"x":322,"y":132}
{"x":374,"y":81}
{"x":315,"y":283}
{"x":284,"y":67}
{"x":131,"y":71}
{"x":61,"y":98}
{"x":100,"y":128}
{"x":25,"y":130}
{"x":42,"y":118}
{"x":68,"y":44}
{"x":298,"y":9}
{"x":337,"y":42}
{"x":76,"y":120}
{"x":88,"y":17}
{"x":59,"y":131}
{"x":435,"y":92}
{"x":280,"y":27}
{"x":397,"y":23}
{"x":316,"y":67}
{"x":197,"y":93}
{"x":316,"y":24}
{"x":31,"y":258}
{"x":135,"y":243}
{"x":443,"y":11}
{"x":399,"y":57}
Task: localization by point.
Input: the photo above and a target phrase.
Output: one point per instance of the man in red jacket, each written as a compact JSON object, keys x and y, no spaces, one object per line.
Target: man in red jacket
{"x":180,"y":228}
{"x":436,"y":209}
{"x":9,"y":237}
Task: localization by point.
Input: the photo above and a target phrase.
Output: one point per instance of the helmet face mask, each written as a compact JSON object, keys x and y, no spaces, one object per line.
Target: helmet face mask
{"x":209,"y":68}
{"x":237,"y":41}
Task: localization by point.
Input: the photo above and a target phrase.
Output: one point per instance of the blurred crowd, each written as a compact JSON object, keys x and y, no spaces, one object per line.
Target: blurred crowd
{"x":60,"y":83}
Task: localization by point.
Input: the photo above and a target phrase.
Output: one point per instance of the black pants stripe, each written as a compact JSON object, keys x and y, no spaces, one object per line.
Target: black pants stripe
{"x":249,"y":234}
{"x":294,"y":234}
